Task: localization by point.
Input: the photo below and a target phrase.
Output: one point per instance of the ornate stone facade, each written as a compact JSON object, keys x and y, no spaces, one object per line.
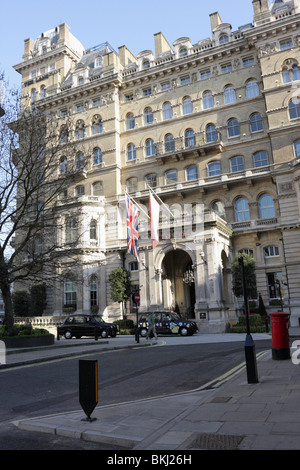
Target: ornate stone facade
{"x":213,"y":125}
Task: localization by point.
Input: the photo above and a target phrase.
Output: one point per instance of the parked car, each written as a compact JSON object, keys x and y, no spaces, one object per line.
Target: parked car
{"x":86,"y":325}
{"x":168,"y":323}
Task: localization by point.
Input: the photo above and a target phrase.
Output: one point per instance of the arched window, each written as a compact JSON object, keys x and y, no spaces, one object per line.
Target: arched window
{"x":97,"y":156}
{"x":167,"y":111}
{"x":80,"y":162}
{"x":211,"y":133}
{"x":33,"y":96}
{"x":219,"y":208}
{"x":93,"y":230}
{"x":233,"y":128}
{"x":214,"y":168}
{"x":252,"y":89}
{"x":241,"y":210}
{"x":146,"y":64}
{"x":43,"y":92}
{"x":131,"y":185}
{"x":208,"y":100}
{"x":266,"y":207}
{"x":271,"y":251}
{"x":260,"y":159}
{"x":97,"y":188}
{"x":94,"y":291}
{"x":169,"y":143}
{"x":187,"y":105}
{"x":70,"y":292}
{"x":80,"y":130}
{"x":286,"y":75}
{"x":171,"y":176}
{"x":79,"y":190}
{"x":223,"y":39}
{"x":97,"y":125}
{"x":131,"y":152}
{"x":296,"y":72}
{"x":71,"y":230}
{"x":183,"y":52}
{"x":64,"y":135}
{"x":63,"y":167}
{"x":150,"y":148}
{"x":290,"y":71}
{"x":151,"y":180}
{"x":229,"y":95}
{"x":297,"y":148}
{"x":237,"y":164}
{"x":189,"y":138}
{"x":148,"y":116}
{"x":294,"y":108}
{"x":130,"y":121}
{"x":256,"y":123}
{"x":192,"y":173}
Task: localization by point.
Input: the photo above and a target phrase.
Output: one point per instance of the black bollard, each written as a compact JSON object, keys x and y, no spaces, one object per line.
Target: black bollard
{"x":250,"y":354}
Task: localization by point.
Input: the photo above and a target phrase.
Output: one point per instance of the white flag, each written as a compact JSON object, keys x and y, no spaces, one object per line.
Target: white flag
{"x":154,"y":220}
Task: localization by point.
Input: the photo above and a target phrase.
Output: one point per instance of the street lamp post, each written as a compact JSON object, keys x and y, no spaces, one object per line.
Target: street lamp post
{"x":249,"y":343}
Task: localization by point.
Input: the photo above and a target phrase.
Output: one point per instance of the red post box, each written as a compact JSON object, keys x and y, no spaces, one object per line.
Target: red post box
{"x":280,"y":335}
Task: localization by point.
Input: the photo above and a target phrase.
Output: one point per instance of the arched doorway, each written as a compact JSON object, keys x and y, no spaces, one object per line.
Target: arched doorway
{"x":178,"y":294}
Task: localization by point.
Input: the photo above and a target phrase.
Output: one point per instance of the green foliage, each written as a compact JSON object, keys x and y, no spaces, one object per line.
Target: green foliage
{"x":124,"y":324}
{"x":250,"y":276}
{"x":25,"y":329}
{"x":256,"y":323}
{"x":120,"y":286}
{"x":21,"y":303}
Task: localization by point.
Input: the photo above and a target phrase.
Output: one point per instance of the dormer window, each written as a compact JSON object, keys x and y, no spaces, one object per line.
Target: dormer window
{"x":146,"y":64}
{"x":183,"y":52}
{"x":223,"y":39}
{"x":98,"y":62}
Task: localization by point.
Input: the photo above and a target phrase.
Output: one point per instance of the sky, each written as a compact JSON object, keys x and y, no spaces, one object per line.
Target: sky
{"x":118,"y":22}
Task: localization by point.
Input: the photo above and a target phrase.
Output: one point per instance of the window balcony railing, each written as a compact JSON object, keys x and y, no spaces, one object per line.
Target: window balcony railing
{"x":193,"y":143}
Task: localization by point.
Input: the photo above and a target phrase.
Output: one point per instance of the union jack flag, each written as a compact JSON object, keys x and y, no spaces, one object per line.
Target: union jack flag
{"x":132,"y":228}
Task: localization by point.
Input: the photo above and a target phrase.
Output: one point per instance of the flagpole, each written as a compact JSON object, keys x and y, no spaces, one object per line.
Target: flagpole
{"x":126,"y":194}
{"x":149,"y":187}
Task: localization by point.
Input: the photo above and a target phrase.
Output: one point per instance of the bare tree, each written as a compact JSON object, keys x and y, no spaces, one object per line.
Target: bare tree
{"x":37,"y":165}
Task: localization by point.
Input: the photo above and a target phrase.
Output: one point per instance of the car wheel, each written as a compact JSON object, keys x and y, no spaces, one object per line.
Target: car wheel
{"x":104,"y":334}
{"x":68,"y":334}
{"x":143,"y":332}
{"x":184,"y":331}
{"x":113,"y":334}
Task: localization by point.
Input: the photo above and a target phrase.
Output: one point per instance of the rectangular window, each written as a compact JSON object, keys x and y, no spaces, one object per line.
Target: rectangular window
{"x":248,"y":61}
{"x":79,"y":108}
{"x":165,"y":86}
{"x":147,"y":91}
{"x":271,"y":251}
{"x":205,"y":74}
{"x":33,"y":74}
{"x":297,"y":149}
{"x":286,"y":44}
{"x":225,"y":68}
{"x":237,"y":164}
{"x":185,"y":80}
{"x":96,"y":102}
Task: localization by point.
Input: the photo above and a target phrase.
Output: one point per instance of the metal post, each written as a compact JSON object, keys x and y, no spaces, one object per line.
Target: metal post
{"x":249,"y":343}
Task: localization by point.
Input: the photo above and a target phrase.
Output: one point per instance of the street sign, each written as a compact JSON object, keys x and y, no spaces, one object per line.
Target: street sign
{"x":136,"y":297}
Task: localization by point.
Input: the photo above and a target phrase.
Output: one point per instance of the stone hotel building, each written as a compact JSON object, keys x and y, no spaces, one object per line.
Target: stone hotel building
{"x":213,"y":128}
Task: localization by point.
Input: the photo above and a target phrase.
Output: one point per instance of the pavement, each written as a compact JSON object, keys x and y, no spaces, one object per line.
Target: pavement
{"x":225,"y":414}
